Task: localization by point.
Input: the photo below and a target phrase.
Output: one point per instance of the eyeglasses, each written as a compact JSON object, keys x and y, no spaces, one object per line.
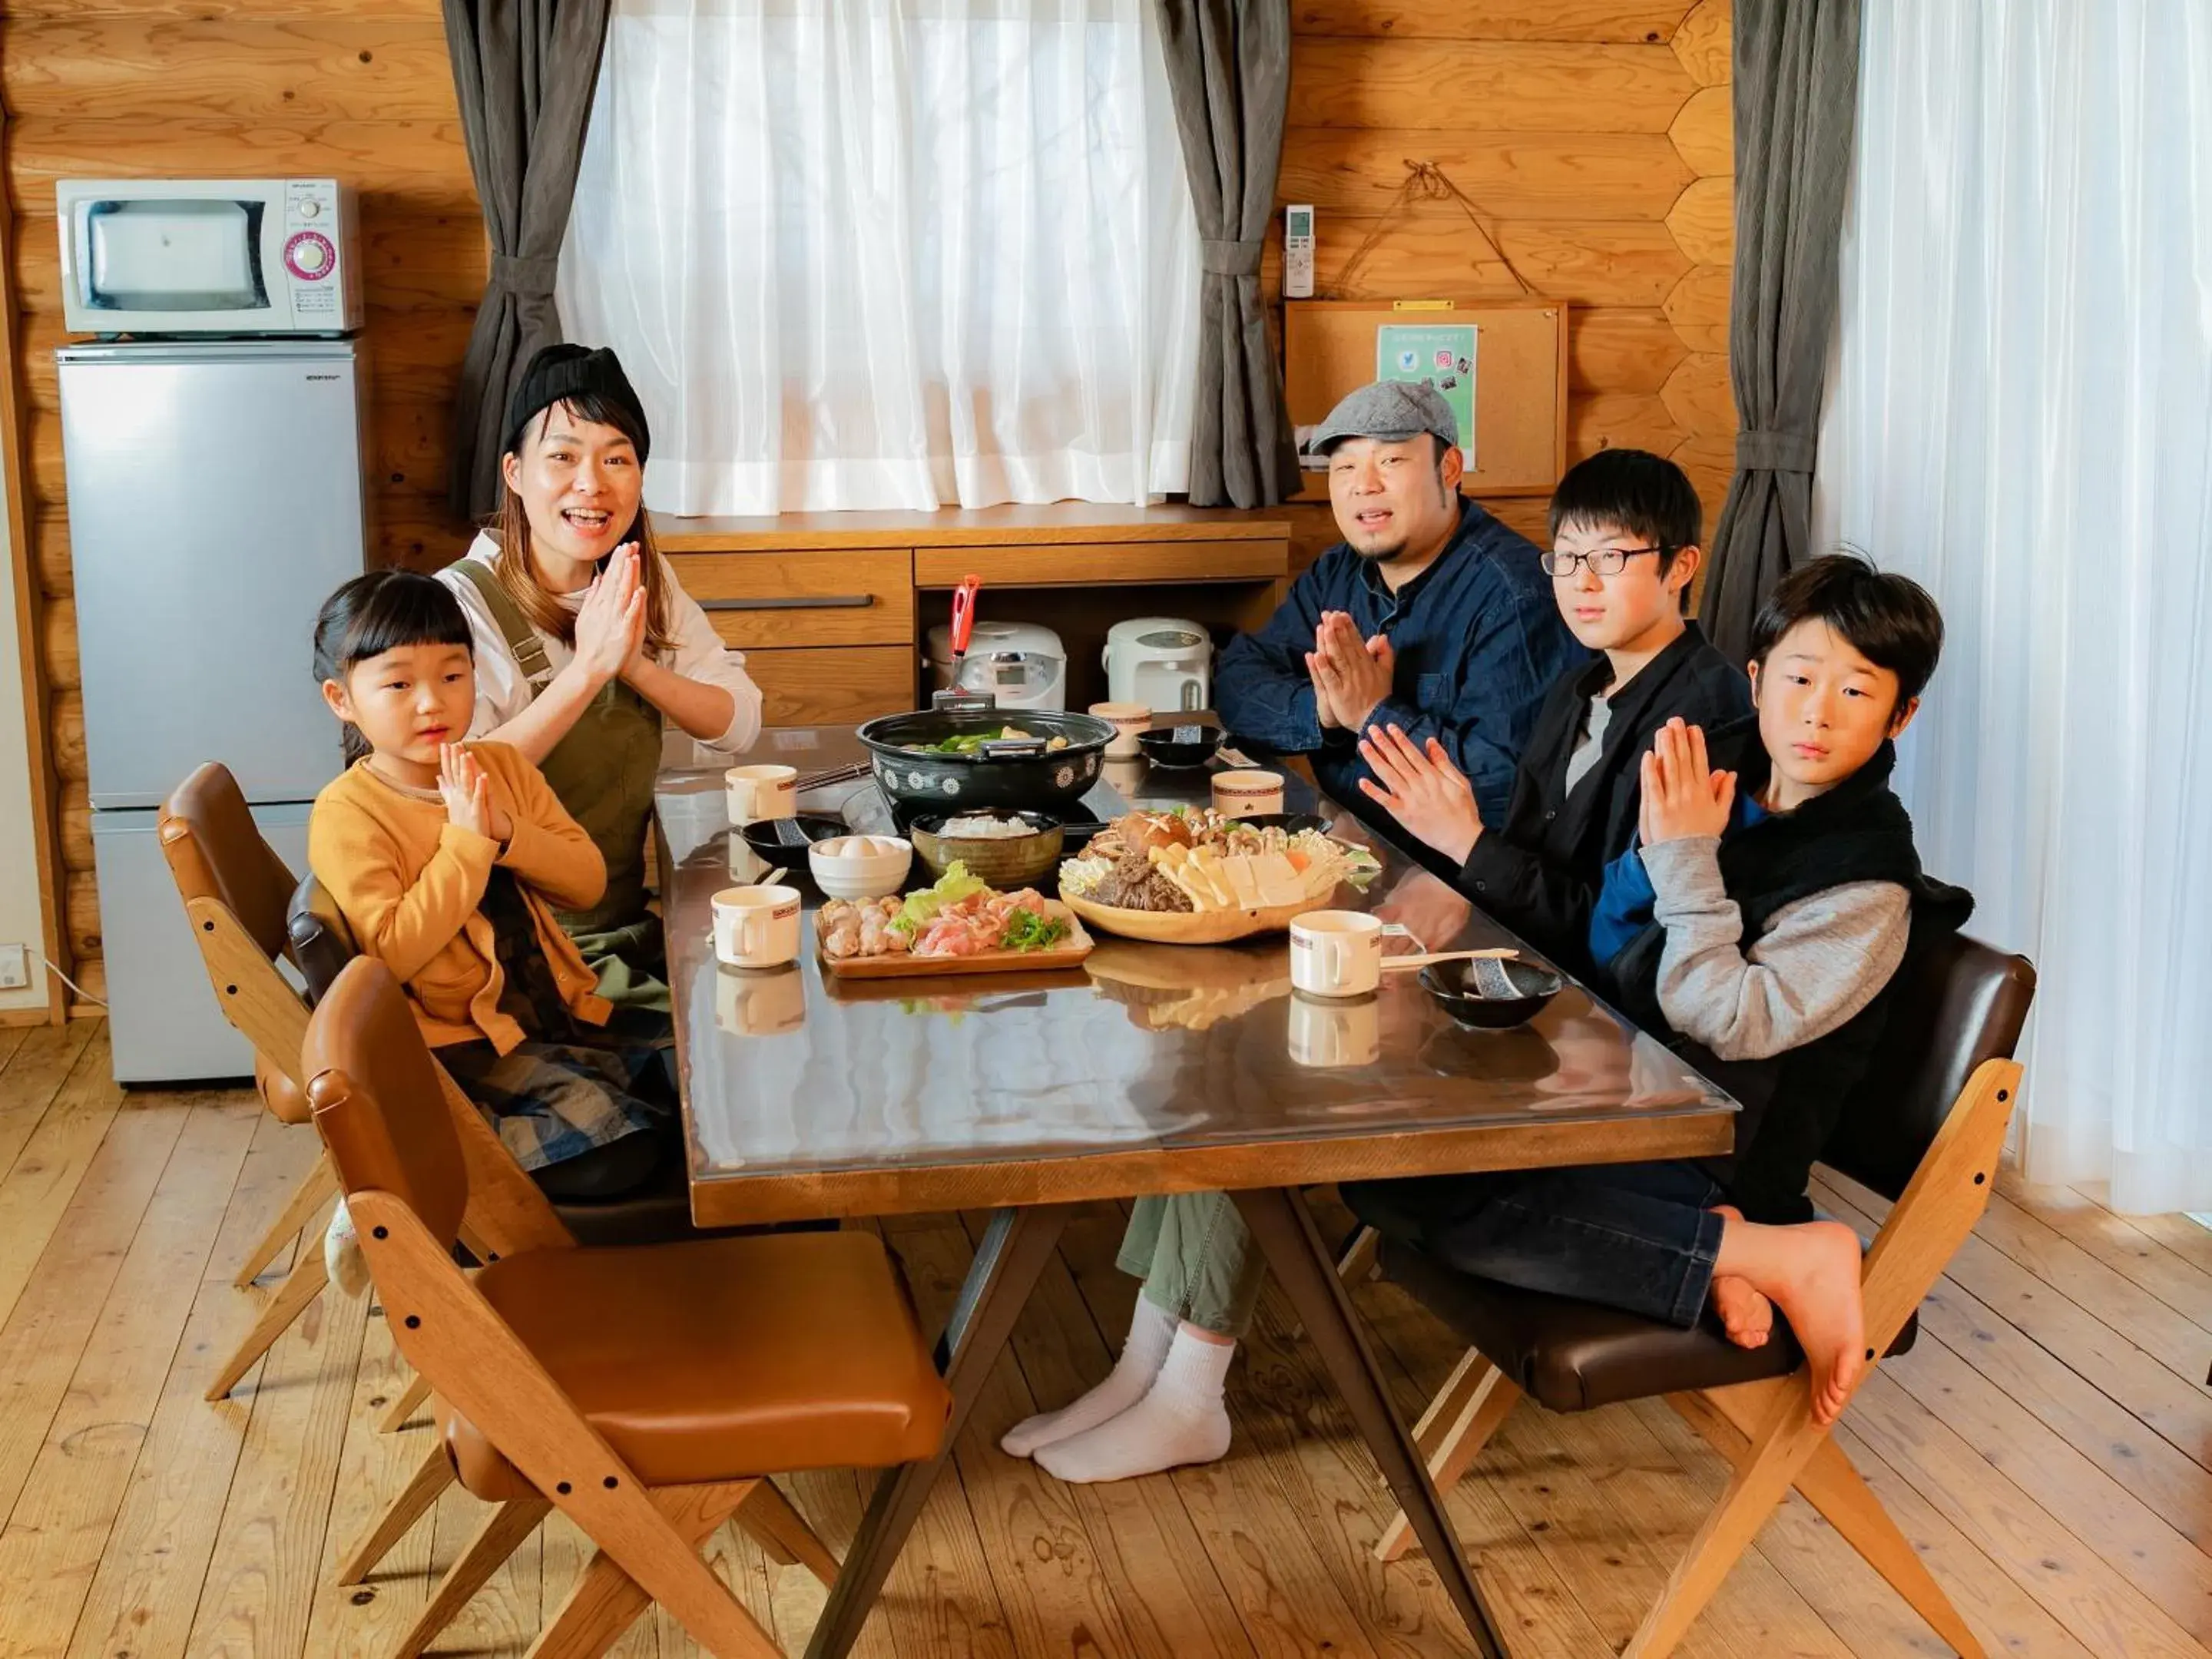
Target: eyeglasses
{"x":1606,"y":560}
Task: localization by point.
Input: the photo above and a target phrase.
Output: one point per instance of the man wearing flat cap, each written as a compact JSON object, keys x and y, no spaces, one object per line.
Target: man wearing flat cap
{"x":1430,"y":615}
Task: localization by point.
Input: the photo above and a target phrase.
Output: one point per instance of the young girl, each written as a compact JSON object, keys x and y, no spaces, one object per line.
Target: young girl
{"x":451,"y":863}
{"x":585,"y":642}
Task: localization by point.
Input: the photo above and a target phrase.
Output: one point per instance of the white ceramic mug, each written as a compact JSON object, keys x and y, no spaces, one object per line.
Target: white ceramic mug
{"x":1247,"y":794}
{"x":1338,"y":953}
{"x":757,"y":927}
{"x":1336,"y":1032}
{"x":767,"y":1003}
{"x":1128,"y":720}
{"x":762,"y":792}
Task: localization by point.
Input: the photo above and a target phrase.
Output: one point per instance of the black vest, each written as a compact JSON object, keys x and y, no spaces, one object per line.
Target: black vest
{"x":1858,"y":831}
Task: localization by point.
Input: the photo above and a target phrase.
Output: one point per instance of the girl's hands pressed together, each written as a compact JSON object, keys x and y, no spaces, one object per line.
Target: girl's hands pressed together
{"x":1682,"y":796}
{"x":467,"y":792}
{"x":1424,"y":791}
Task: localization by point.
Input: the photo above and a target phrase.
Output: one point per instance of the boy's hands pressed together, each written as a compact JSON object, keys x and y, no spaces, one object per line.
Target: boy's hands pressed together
{"x":1350,"y":675}
{"x":1682,"y":796}
{"x":1425,"y":792}
{"x":467,"y":791}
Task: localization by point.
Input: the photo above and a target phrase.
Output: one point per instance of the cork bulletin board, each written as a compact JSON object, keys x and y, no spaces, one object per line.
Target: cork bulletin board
{"x":1520,"y":378}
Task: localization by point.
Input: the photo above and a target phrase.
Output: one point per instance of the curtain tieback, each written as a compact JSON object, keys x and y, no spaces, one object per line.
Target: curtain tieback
{"x":1227,"y":258}
{"x":1773,"y":451}
{"x":529,"y":278}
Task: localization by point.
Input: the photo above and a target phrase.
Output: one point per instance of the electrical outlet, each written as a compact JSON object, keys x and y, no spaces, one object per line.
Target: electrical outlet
{"x":15,"y":967}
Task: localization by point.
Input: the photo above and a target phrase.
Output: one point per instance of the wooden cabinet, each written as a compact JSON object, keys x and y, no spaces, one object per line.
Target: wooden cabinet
{"x":828,"y":598}
{"x":825,"y":606}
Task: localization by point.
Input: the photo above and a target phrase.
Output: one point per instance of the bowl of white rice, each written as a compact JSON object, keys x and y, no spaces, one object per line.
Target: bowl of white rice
{"x":1006,"y":849}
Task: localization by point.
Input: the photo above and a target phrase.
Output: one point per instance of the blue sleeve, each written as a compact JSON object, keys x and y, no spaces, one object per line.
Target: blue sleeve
{"x":1624,"y":907}
{"x":1261,"y":686}
{"x":1515,"y":652}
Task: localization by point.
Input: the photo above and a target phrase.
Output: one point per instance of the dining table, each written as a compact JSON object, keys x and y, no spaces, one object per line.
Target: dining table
{"x":1150,"y":1068}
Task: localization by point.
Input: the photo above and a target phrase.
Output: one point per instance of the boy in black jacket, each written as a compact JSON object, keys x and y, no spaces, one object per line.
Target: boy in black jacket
{"x":1759,"y":928}
{"x":1625,"y":531}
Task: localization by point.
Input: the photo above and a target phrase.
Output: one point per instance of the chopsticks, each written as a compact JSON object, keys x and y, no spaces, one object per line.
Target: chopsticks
{"x":844,"y":774}
{"x":1496,"y":953}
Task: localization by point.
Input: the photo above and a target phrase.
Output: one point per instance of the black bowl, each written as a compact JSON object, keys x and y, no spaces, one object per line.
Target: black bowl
{"x":1454,"y":987}
{"x":1172,"y":746}
{"x":777,"y":840}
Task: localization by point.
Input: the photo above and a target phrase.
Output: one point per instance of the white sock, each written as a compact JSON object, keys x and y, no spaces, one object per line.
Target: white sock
{"x":1143,"y":1351}
{"x":1183,"y":1419}
{"x":342,"y":1258}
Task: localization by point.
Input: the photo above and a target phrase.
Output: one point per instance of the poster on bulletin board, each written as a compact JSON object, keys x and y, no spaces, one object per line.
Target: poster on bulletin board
{"x":1442,"y":354}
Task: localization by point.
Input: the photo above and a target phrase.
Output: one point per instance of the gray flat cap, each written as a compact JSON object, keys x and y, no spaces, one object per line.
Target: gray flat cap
{"x":1392,"y":410}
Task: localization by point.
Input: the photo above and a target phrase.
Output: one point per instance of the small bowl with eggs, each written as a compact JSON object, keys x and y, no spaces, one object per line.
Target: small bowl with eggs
{"x":859,"y":867}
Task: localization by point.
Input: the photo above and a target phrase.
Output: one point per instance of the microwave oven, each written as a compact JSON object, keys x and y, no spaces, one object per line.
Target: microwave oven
{"x":170,"y":257}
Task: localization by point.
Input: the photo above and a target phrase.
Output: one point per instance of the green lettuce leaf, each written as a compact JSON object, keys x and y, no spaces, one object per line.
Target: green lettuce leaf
{"x":955,"y":884}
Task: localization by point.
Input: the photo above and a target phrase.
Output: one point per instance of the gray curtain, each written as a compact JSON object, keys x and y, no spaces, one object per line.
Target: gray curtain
{"x":1228,"y":69}
{"x":524,"y":71}
{"x":1796,"y":91}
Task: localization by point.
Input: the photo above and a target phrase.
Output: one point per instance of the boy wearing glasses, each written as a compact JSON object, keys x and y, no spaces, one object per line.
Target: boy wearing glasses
{"x":1625,"y":533}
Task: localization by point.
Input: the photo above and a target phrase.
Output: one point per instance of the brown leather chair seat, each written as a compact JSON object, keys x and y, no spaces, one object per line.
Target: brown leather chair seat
{"x":284,"y":1098}
{"x":1573,"y":1355}
{"x":720,"y":1358}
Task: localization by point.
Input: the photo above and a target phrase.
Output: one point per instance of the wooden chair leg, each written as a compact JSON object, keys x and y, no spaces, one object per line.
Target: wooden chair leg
{"x":1777,"y":1447}
{"x":301,"y":1286}
{"x":501,"y":1535}
{"x":606,"y":1601}
{"x":783,"y":1534}
{"x":1836,"y":1489}
{"x":316,"y":1188}
{"x":1832,"y":1486}
{"x":1451,"y":1434}
{"x":401,"y":1412}
{"x":431,"y":1477}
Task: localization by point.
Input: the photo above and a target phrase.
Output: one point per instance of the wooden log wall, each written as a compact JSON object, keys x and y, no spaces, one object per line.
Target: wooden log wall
{"x":1592,"y":134}
{"x":123,"y":88}
{"x":1594,"y":138}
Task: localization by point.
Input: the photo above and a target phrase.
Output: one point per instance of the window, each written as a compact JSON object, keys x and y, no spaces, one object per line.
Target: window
{"x":880,"y":254}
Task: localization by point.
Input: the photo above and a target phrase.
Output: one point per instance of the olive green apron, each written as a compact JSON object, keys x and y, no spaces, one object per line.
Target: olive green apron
{"x":602,"y":772}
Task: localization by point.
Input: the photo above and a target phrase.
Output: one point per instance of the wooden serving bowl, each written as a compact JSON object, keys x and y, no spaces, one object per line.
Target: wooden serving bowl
{"x":1191,"y":926}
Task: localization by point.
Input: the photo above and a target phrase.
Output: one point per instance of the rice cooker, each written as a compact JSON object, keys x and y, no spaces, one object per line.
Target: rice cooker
{"x":1163,"y":662}
{"x":1022,"y":664}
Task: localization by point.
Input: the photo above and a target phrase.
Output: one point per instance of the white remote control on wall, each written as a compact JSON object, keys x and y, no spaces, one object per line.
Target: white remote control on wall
{"x":1298,"y":251}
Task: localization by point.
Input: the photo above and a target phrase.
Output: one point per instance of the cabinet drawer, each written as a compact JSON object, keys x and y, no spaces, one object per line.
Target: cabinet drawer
{"x":1086,"y":564}
{"x":832,"y":685}
{"x":776,"y":600}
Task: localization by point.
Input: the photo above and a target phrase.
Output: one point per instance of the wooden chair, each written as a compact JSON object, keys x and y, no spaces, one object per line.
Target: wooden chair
{"x":645,"y":1391}
{"x":1925,"y":1128}
{"x":235,"y":889}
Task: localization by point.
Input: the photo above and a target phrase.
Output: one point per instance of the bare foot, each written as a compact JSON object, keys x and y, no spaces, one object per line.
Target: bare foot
{"x":1814,"y":1279}
{"x":1744,"y":1312}
{"x":1748,"y":1315}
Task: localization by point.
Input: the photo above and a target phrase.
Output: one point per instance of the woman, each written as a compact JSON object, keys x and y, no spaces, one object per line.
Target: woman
{"x":585,"y":640}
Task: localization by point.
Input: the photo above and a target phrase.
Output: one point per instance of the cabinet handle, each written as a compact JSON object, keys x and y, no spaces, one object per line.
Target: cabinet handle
{"x":794,"y":602}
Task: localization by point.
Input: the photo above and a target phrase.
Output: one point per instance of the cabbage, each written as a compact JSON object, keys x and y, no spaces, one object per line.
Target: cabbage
{"x":955,"y":884}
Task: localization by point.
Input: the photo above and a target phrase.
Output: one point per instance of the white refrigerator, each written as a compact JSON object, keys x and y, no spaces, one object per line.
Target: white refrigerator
{"x":216,"y":498}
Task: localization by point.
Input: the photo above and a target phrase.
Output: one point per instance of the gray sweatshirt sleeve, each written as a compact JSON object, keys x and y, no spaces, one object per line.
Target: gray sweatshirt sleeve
{"x":1820,"y":961}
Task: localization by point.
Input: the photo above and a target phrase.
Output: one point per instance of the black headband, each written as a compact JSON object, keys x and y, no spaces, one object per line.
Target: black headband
{"x":559,"y":373}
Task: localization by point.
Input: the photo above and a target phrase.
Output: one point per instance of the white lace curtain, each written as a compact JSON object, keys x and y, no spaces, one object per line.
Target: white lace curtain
{"x":890,"y":254}
{"x":2020,"y":416}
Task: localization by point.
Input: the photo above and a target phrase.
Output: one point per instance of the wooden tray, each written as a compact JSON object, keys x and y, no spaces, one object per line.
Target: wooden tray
{"x":1191,"y":927}
{"x":1069,"y":954}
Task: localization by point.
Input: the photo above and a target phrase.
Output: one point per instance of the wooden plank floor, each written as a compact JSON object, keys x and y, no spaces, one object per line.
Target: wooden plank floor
{"x":2048,"y":1446}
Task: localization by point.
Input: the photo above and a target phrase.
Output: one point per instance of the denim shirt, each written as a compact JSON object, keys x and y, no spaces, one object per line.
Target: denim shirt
{"x":1479,"y":640}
